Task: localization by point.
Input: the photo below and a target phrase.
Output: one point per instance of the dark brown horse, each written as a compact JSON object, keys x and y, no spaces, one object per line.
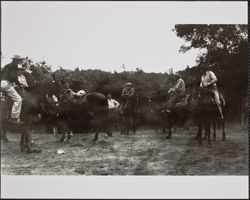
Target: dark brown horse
{"x":207,"y":115}
{"x":200,"y":109}
{"x":31,"y":115}
{"x":92,"y":112}
{"x":129,"y":115}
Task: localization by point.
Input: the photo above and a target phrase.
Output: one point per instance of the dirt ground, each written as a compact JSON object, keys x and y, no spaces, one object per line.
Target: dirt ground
{"x":145,"y":153}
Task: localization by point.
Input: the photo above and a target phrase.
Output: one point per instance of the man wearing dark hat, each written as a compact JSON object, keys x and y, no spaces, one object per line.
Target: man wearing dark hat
{"x":177,"y":91}
{"x":208,"y":80}
{"x":127,"y":93}
{"x":9,"y":79}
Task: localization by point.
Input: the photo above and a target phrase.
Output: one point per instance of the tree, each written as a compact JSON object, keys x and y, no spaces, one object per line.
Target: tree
{"x":219,"y":40}
{"x":227,"y":48}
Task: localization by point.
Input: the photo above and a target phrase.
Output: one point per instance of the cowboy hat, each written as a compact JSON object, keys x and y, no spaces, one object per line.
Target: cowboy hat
{"x":177,"y":74}
{"x":17,"y":57}
{"x":129,"y":84}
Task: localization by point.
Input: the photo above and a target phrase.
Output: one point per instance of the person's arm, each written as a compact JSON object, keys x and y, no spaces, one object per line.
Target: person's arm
{"x":123,"y":91}
{"x":213,"y":78}
{"x":202,"y":81}
{"x":177,"y":85}
{"x":132,"y":92}
{"x":116,"y":103}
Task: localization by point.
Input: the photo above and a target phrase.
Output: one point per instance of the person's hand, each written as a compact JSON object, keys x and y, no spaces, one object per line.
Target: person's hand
{"x":205,"y":84}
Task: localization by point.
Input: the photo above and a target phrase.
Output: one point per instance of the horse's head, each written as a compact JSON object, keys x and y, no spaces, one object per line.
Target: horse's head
{"x":66,"y":95}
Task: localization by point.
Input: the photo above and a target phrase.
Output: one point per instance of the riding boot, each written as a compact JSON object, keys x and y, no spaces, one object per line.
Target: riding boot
{"x":220,"y":110}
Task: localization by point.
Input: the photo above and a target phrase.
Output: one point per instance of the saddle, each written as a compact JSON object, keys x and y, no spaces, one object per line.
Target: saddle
{"x":183,"y":101}
{"x":79,"y":100}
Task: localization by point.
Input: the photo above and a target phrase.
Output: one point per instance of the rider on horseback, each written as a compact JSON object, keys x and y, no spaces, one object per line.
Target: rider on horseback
{"x":208,"y":81}
{"x":10,"y":80}
{"x":127,"y":94}
{"x":177,"y":92}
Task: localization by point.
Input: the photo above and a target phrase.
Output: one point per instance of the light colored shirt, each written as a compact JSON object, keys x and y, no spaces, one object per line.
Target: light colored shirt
{"x":208,"y":79}
{"x":179,"y":86}
{"x":113,"y":103}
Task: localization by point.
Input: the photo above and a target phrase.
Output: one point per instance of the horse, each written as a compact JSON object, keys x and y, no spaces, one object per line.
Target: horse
{"x":199,"y":109}
{"x":92,"y":111}
{"x":215,"y":122}
{"x":148,"y":112}
{"x":178,"y":116}
{"x":129,"y":115}
{"x":33,"y":99}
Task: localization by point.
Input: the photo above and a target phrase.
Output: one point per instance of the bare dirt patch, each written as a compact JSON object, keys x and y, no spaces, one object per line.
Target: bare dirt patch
{"x":145,"y":153}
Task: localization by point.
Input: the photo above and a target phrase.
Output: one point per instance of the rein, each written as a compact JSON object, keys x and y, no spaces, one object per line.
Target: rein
{"x":47,"y":110}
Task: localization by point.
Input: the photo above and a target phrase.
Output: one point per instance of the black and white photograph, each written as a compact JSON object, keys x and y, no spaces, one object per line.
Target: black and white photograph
{"x":123,"y":89}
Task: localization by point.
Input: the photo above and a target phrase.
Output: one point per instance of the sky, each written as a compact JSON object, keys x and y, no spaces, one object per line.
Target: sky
{"x":106,"y":35}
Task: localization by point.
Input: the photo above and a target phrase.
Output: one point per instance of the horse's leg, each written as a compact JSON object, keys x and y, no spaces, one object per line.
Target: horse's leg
{"x":134,"y":126}
{"x":163,"y":130}
{"x":208,"y":132}
{"x":126,"y":126}
{"x":214,"y":131}
{"x":22,"y":142}
{"x":96,"y":136}
{"x":64,"y":131}
{"x":199,"y":134}
{"x":3,"y":136}
{"x":66,"y":137}
{"x":169,"y":132}
{"x":223,"y":130}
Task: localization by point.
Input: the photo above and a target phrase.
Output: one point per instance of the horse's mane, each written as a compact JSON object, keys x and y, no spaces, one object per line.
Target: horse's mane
{"x":38,"y":86}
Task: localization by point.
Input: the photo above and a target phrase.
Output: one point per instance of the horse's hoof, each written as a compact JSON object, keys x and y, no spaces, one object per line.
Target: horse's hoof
{"x":34,"y":150}
{"x":223,"y":139}
{"x":168,"y":137}
{"x":5,"y":139}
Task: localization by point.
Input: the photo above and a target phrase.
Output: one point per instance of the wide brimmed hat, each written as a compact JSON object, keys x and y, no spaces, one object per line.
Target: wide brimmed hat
{"x":178,"y":74}
{"x":129,"y":84}
{"x":17,"y":57}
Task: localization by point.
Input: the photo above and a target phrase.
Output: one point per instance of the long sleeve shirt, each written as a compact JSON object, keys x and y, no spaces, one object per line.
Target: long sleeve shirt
{"x":128,"y":92}
{"x":179,"y":86}
{"x":208,"y":79}
{"x":113,"y":103}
